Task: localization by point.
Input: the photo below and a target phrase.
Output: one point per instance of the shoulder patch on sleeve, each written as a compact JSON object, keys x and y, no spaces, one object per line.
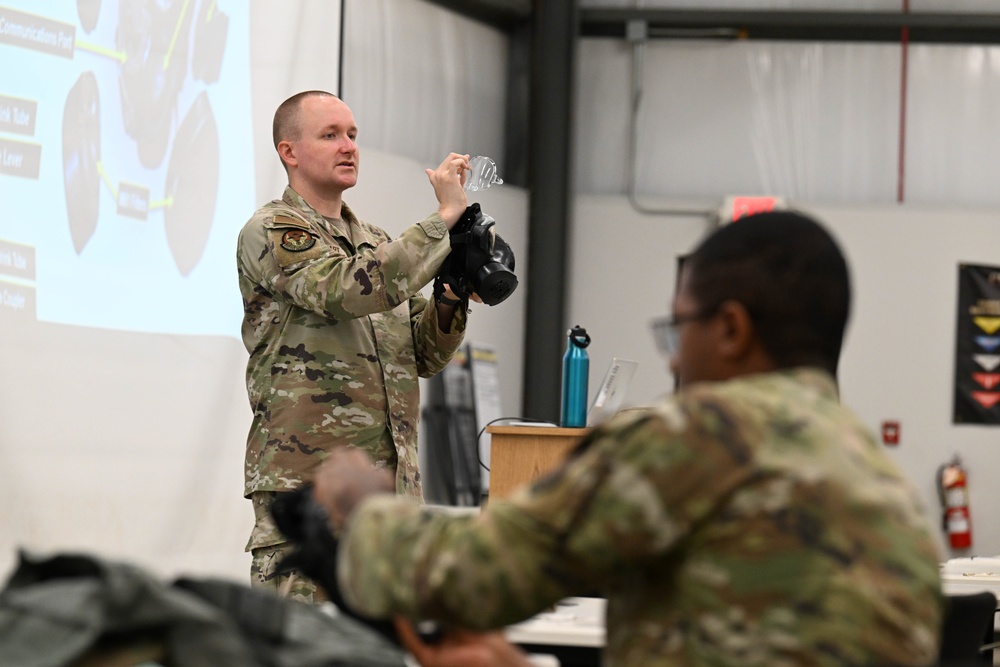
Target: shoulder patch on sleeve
{"x":297,"y":240}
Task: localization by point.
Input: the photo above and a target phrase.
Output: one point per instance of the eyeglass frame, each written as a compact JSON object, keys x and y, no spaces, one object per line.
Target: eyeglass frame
{"x":666,"y":329}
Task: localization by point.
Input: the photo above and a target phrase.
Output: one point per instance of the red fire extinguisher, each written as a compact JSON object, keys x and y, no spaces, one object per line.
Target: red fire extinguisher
{"x":953,"y":491}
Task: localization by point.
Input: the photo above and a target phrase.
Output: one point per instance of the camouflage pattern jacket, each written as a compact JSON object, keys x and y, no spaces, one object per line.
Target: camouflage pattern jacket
{"x":749,"y":522}
{"x":338,"y":334}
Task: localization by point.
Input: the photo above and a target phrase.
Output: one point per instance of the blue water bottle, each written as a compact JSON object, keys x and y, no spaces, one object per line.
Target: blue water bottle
{"x":576,"y":371}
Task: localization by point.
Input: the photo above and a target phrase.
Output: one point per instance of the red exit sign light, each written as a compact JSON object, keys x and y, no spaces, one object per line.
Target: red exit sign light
{"x":742,"y":206}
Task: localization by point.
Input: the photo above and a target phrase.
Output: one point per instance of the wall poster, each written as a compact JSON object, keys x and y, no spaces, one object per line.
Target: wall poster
{"x":977,"y":346}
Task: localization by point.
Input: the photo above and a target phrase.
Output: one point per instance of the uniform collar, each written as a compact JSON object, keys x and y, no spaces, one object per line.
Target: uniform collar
{"x":296,"y":201}
{"x":812,"y":377}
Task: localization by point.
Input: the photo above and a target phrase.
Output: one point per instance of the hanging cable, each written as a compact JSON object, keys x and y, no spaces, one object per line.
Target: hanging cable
{"x":903,"y":76}
{"x":501,"y":419}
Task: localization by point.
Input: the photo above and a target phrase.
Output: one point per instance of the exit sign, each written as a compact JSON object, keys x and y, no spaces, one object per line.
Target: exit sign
{"x":742,"y":206}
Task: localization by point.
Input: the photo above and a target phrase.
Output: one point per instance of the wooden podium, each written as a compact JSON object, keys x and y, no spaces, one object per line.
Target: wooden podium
{"x":520,"y":454}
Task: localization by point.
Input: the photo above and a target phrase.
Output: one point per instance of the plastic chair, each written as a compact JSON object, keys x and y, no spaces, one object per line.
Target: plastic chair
{"x":967,"y":631}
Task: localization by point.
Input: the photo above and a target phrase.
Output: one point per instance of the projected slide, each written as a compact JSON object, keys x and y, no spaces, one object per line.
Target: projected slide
{"x":126,"y":162}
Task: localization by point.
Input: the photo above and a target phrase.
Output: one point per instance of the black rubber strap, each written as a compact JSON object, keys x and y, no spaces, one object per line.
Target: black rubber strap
{"x":448,"y":302}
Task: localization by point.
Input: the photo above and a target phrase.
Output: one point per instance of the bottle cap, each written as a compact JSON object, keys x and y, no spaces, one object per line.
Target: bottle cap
{"x":579,"y":336}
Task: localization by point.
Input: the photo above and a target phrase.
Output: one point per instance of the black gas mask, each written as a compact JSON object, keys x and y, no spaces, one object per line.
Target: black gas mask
{"x":480,"y":261}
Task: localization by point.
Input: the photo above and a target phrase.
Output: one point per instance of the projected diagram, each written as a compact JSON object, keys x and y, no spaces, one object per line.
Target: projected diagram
{"x":118,"y":175}
{"x":155,"y":42}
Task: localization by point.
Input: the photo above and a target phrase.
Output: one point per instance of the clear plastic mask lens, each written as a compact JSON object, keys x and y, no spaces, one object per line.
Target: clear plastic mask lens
{"x":482,"y":174}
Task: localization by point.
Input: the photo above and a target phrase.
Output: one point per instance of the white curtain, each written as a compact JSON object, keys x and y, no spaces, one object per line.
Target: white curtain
{"x":808,"y":121}
{"x":423,"y":82}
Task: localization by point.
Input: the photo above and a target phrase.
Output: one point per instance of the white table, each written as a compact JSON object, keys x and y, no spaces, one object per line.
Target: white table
{"x":964,"y":576}
{"x":573,"y":622}
{"x":572,"y":631}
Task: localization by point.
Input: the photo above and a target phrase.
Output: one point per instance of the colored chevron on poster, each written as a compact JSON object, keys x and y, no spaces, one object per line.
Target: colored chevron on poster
{"x":987,"y":399}
{"x":987,"y":380}
{"x":987,"y":361}
{"x":988,"y":343}
{"x":988,"y":324}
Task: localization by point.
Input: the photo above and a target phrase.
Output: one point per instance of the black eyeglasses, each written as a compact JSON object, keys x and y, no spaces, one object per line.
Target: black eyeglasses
{"x":666,"y":330}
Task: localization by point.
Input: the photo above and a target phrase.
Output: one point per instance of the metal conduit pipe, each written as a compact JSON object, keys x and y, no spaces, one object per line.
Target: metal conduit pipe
{"x":637,"y":34}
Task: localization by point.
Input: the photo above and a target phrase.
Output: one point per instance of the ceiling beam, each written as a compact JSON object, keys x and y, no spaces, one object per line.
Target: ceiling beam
{"x":502,"y":14}
{"x":940,"y":28}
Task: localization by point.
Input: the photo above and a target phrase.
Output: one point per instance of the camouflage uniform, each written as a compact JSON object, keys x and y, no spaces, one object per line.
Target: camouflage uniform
{"x":338,"y":334}
{"x":749,"y":522}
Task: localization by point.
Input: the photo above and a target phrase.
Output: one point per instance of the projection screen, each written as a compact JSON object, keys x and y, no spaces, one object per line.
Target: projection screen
{"x":134,"y":144}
